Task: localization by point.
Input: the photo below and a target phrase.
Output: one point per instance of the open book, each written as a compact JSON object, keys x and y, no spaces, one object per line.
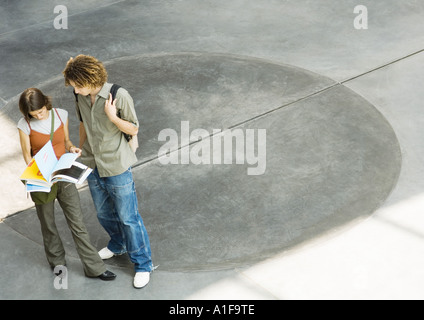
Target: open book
{"x":44,"y":170}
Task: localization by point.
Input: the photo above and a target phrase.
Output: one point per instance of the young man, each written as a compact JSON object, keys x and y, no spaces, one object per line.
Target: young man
{"x":105,"y":149}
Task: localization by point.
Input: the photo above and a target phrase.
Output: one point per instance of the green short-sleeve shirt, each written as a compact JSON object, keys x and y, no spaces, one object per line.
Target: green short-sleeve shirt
{"x":106,"y":147}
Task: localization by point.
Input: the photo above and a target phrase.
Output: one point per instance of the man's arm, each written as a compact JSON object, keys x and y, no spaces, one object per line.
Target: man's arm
{"x":82,"y":135}
{"x":123,"y":125}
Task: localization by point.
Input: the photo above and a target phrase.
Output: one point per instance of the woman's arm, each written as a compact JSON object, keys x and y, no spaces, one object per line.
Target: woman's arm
{"x":68,"y":143}
{"x":25,"y":146}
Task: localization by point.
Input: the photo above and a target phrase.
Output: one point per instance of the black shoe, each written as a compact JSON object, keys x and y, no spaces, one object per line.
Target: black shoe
{"x":107,"y":276}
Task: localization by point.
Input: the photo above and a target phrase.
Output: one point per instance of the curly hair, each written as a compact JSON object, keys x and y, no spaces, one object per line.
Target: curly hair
{"x":32,"y":99}
{"x":85,"y":71}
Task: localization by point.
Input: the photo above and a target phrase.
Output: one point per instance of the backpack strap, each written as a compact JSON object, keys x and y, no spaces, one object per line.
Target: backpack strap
{"x":77,"y":107}
{"x":114,"y":90}
{"x":76,"y":96}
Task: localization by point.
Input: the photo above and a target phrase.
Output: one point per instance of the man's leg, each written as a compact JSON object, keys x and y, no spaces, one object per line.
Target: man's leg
{"x":126,"y":205}
{"x":106,"y":213}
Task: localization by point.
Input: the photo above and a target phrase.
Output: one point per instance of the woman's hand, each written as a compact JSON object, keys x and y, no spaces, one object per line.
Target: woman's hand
{"x":74,"y":149}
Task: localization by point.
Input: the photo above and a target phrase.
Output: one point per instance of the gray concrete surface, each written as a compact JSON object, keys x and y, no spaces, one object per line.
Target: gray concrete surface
{"x":341,"y":221}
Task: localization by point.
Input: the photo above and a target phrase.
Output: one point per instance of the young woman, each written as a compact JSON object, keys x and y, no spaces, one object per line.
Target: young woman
{"x":35,"y":131}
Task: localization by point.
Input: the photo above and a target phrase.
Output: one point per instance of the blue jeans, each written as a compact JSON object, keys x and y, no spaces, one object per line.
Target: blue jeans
{"x":116,"y":204}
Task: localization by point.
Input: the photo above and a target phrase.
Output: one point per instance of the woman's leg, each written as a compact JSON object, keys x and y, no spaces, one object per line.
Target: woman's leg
{"x":53,"y":246}
{"x":69,"y":200}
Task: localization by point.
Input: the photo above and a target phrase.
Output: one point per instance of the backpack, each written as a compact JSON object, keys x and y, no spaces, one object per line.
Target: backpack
{"x":114,"y":90}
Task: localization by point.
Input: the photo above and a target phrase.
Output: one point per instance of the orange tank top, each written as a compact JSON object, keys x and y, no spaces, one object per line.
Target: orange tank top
{"x":38,"y":140}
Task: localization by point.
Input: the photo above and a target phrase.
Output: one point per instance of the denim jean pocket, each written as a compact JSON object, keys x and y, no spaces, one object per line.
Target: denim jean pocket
{"x":120,"y":181}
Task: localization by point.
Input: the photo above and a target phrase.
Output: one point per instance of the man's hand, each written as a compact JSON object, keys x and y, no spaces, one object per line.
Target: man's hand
{"x":110,"y":109}
{"x":123,"y":125}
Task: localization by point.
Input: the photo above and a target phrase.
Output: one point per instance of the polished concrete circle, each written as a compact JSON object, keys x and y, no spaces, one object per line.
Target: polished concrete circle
{"x":331,"y":158}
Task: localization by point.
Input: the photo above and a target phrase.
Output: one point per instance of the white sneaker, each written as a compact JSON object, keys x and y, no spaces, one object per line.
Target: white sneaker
{"x":141,"y":279}
{"x":105,"y":253}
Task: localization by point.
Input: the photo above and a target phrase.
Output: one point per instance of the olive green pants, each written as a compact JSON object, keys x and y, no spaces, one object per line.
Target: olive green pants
{"x":69,"y":200}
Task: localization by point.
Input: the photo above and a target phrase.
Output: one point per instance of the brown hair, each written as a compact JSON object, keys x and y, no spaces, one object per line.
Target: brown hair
{"x":32,"y":99}
{"x":85,"y":71}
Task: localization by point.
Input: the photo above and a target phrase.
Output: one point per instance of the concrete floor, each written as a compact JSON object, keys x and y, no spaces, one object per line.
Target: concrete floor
{"x":337,"y":215}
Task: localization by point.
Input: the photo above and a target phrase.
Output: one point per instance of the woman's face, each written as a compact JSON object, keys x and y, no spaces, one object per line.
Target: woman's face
{"x":40,"y":114}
